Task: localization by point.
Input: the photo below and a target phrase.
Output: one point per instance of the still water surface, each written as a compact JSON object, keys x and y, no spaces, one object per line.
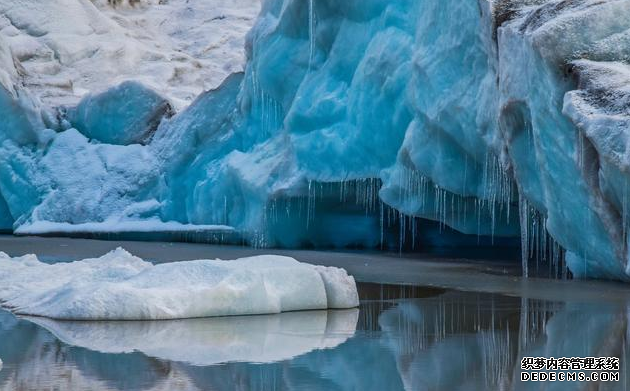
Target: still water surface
{"x":401,"y":338}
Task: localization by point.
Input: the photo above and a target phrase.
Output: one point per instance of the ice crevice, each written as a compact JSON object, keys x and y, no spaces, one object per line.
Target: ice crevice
{"x":355,"y":123}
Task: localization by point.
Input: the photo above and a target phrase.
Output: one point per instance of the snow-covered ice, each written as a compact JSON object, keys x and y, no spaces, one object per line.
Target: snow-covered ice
{"x":180,"y":48}
{"x":120,"y":286}
{"x":210,"y":341}
{"x":113,"y":226}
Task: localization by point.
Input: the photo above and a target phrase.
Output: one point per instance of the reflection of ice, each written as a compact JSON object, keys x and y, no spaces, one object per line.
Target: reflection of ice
{"x":261,"y":339}
{"x":449,"y":343}
{"x":454,"y":341}
{"x":472,"y":342}
{"x":581,"y":330}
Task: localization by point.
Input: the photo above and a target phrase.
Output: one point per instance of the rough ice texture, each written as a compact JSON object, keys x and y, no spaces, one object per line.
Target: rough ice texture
{"x":127,"y":114}
{"x":178,"y":47}
{"x":493,"y":117}
{"x":119,"y":286}
{"x":211,"y":341}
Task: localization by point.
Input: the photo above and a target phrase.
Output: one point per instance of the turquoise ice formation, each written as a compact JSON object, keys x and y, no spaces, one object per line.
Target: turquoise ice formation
{"x":494,"y":118}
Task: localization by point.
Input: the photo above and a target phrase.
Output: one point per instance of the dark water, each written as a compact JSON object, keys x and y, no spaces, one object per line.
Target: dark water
{"x":401,"y":338}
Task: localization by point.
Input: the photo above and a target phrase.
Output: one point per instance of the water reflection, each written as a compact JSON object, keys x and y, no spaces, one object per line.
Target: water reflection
{"x":400,"y":339}
{"x":476,"y":341}
{"x":209,"y":341}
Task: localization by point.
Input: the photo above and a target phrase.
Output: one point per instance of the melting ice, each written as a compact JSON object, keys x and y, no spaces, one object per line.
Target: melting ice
{"x":120,"y":286}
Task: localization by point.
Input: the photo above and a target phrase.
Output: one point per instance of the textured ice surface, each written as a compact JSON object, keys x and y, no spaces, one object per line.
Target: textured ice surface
{"x":119,"y":286}
{"x":126,"y":114}
{"x":178,"y":47}
{"x":497,"y":118}
{"x":210,"y":341}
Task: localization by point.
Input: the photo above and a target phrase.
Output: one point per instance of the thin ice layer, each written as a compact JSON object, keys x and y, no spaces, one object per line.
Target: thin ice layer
{"x":120,"y":286}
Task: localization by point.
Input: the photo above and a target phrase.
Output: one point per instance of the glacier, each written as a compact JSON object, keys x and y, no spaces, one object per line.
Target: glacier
{"x":350,"y":123}
{"x":94,"y":289}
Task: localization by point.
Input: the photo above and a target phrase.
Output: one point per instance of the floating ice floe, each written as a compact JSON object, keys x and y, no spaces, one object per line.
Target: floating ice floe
{"x":120,"y":286}
{"x":209,"y":341}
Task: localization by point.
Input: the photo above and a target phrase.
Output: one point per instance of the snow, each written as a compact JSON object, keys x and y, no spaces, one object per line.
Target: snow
{"x":7,"y":69}
{"x":178,"y":47}
{"x":210,"y":341}
{"x":556,"y":163}
{"x":600,"y":107}
{"x":115,"y":225}
{"x":120,"y":286}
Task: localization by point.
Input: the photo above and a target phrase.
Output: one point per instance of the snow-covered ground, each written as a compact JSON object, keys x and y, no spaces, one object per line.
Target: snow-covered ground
{"x":120,"y":286}
{"x":68,"y":48}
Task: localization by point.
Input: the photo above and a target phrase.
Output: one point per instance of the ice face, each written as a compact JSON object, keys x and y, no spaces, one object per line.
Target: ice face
{"x":93,"y":289}
{"x":494,"y":118}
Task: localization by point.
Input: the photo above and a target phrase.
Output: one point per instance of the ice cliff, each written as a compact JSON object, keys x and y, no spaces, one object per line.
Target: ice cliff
{"x":352,"y":120}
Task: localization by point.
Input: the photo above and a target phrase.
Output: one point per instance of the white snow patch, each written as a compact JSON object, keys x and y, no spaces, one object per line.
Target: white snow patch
{"x":120,"y":286}
{"x":116,"y":226}
{"x":177,"y":47}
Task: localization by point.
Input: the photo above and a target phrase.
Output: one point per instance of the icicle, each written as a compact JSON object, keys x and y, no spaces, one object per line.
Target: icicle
{"x":524,"y":217}
{"x":478,"y":211}
{"x":225,"y":211}
{"x":308,"y":205}
{"x":465,"y":175}
{"x":382,"y":221}
{"x":413,"y":233}
{"x":400,"y":233}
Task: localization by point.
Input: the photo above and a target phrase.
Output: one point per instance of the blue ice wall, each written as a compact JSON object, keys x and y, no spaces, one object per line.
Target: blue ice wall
{"x":461,"y":109}
{"x":495,"y":118}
